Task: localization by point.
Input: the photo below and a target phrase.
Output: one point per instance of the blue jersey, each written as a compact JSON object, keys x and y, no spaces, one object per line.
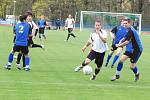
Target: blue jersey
{"x":22,"y":31}
{"x":129,"y":47}
{"x":42,"y":23}
{"x":119,"y":32}
{"x":133,"y":37}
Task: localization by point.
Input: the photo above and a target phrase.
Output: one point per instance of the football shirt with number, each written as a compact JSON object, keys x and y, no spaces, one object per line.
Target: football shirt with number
{"x":22,"y":31}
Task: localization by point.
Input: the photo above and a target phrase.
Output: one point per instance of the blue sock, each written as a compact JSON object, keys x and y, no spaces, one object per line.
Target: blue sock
{"x":108,"y":58}
{"x":119,"y":67}
{"x":10,"y":58}
{"x":27,"y":61}
{"x":135,"y":70}
{"x":115,"y":59}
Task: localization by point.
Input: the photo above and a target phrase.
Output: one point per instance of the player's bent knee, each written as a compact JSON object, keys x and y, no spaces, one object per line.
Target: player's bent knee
{"x":87,"y":61}
{"x":132,"y":65}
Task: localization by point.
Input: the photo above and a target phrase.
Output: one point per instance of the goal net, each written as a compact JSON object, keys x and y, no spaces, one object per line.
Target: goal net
{"x":108,"y":19}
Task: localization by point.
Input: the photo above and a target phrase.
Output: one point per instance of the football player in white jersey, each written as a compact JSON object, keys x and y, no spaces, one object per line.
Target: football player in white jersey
{"x":98,"y":42}
{"x":69,"y":24}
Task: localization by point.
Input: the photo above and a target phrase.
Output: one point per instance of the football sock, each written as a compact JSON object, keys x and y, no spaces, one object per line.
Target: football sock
{"x":108,"y":58}
{"x":83,"y":64}
{"x":36,"y":45}
{"x":23,"y":60}
{"x":135,"y":70}
{"x":10,"y":58}
{"x":97,"y":71}
{"x":115,"y":59}
{"x":18,"y":58}
{"x":72,"y":35}
{"x":119,"y":68}
{"x":36,"y":32}
{"x":27,"y":61}
{"x":68,"y":36}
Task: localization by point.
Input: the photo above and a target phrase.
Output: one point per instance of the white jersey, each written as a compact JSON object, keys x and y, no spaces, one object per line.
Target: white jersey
{"x":97,"y":44}
{"x":70,"y":22}
{"x":33,"y":25}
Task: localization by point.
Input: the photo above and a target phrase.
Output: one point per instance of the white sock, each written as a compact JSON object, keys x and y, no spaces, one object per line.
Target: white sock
{"x":8,"y":63}
{"x":118,"y":72}
{"x":27,"y":66}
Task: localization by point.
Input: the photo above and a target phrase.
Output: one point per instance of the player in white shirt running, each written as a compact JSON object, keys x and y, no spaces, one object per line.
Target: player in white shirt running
{"x":69,"y":24}
{"x":98,"y":41}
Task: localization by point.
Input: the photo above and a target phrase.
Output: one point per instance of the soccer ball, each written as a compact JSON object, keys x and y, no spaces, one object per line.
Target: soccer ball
{"x":87,"y":70}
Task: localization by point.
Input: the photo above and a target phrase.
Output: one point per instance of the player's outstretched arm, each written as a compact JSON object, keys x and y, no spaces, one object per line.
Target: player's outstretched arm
{"x":122,"y":44}
{"x":84,"y":47}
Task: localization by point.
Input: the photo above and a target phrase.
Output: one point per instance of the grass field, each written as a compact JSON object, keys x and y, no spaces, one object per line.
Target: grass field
{"x":52,"y":75}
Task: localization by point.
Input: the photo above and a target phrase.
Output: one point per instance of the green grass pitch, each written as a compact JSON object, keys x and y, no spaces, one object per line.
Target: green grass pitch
{"x":52,"y":75}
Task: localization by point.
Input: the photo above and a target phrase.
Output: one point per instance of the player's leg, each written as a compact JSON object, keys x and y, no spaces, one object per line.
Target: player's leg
{"x":133,"y":60}
{"x":108,"y":57}
{"x":19,"y":57}
{"x":32,"y":45}
{"x":119,"y":50}
{"x":36,"y":46}
{"x":36,"y":31}
{"x":69,"y":31}
{"x":18,"y":60}
{"x":23,"y":60}
{"x":89,"y":58}
{"x":43,"y":33}
{"x":10,"y":57}
{"x":123,"y":58}
{"x":72,"y":35}
{"x":40,"y":33}
{"x":25,"y":52}
{"x":99,"y":62}
{"x":113,"y":48}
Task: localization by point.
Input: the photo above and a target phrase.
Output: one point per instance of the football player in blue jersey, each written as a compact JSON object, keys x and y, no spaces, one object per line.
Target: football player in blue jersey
{"x":31,"y":43}
{"x":42,"y":24}
{"x":134,"y":45}
{"x":117,"y":34}
{"x":23,"y":31}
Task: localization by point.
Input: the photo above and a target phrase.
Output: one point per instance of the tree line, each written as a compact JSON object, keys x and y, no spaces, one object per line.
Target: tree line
{"x":53,"y":9}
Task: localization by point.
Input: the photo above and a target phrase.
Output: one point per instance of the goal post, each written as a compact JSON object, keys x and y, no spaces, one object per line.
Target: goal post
{"x":108,"y":19}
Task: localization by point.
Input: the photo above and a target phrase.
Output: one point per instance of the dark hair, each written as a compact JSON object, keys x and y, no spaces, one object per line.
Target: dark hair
{"x":22,"y":18}
{"x":128,"y":20}
{"x":27,"y":13}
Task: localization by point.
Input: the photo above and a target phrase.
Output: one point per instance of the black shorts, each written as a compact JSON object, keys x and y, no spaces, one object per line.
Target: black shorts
{"x":22,"y":49}
{"x":70,"y":30}
{"x":99,"y":57}
{"x":30,"y":42}
{"x":134,"y":56}
{"x":41,"y":30}
{"x":129,"y":54}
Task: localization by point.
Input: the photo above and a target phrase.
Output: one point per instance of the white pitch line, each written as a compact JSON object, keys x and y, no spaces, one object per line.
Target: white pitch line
{"x":81,"y":84}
